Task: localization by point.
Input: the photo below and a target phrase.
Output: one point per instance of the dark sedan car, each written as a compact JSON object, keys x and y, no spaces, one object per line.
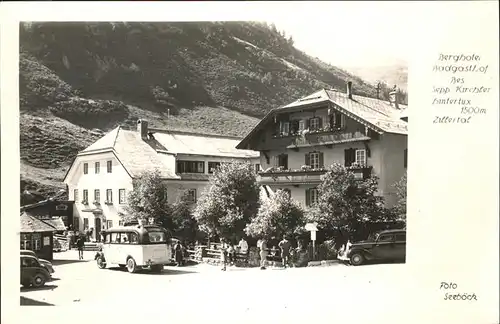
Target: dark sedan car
{"x":388,"y":245}
{"x":32,"y":272}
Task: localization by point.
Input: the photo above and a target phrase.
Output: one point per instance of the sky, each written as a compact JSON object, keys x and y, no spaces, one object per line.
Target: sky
{"x":351,"y":34}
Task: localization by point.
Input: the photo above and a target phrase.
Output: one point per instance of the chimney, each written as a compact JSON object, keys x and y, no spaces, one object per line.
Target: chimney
{"x":394,"y":98}
{"x":142,"y":128}
{"x":349,"y":89}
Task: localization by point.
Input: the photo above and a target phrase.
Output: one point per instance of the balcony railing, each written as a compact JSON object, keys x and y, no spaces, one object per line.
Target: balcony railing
{"x":292,"y":176}
{"x":312,"y":139}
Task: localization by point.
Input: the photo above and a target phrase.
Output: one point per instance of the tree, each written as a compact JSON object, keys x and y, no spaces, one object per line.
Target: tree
{"x":400,"y":206}
{"x":148,"y":199}
{"x":345,"y":201}
{"x":277,"y":216}
{"x":230,"y":201}
{"x":184,"y":225}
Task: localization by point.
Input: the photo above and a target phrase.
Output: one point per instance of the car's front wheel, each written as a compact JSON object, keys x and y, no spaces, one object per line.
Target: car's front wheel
{"x":357,"y":258}
{"x":38,"y":280}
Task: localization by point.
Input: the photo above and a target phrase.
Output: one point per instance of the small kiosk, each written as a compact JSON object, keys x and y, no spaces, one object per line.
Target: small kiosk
{"x":37,"y":236}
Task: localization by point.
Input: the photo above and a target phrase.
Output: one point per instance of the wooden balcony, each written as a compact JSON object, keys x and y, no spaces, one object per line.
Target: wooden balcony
{"x":291,"y":177}
{"x":327,"y":139}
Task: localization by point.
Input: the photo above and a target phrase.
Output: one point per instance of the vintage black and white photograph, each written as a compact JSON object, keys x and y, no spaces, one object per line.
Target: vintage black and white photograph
{"x":191,"y":156}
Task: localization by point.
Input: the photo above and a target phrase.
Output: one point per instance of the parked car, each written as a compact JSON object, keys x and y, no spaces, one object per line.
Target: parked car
{"x":44,"y":263}
{"x":387,"y":245}
{"x":32,"y":272}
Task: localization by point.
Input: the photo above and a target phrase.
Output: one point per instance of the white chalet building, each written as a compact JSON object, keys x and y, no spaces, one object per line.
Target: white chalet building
{"x":101,"y":175}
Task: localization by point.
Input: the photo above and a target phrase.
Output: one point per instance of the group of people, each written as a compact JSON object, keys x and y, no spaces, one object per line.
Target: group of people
{"x":228,"y":252}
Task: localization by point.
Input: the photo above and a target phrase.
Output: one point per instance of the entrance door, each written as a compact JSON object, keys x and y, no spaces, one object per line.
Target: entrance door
{"x":98,"y":229}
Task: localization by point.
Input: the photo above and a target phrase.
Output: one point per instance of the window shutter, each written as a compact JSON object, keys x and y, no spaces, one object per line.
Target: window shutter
{"x":308,"y":160}
{"x":346,"y":157}
{"x":306,"y":123}
{"x":295,"y":126}
{"x":308,"y":197}
{"x":320,"y":122}
{"x":285,"y":161}
{"x":321,"y":160}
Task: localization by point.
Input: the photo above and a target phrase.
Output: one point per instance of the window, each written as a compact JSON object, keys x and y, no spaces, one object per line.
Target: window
{"x":314,"y":160}
{"x":121,"y":196}
{"x":85,"y":195}
{"x":120,"y":223}
{"x":109,"y":195}
{"x":385,"y":238}
{"x":360,"y":157}
{"x":25,"y":242}
{"x":257,"y":167}
{"x":282,"y":161}
{"x":190,"y":167}
{"x":405,"y":162}
{"x":134,"y":238}
{"x":115,"y":238}
{"x":27,"y":262}
{"x":284,"y":128}
{"x":315,"y":123}
{"x":302,"y":125}
{"x":85,"y":224}
{"x":109,"y":166}
{"x":37,"y":241}
{"x":157,"y":237}
{"x":75,"y":194}
{"x":337,"y":120}
{"x":191,"y":194}
{"x":401,"y":237}
{"x":312,"y":196}
{"x":109,"y":223}
{"x":212,"y":166}
{"x":349,"y":157}
{"x":97,"y":167}
{"x":85,"y":168}
{"x":97,"y":195}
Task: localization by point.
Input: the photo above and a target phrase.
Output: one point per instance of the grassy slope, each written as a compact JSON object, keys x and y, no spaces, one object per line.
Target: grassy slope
{"x":77,"y":81}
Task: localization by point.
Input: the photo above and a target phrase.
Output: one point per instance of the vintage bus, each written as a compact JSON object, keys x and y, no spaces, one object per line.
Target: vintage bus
{"x":135,"y":247}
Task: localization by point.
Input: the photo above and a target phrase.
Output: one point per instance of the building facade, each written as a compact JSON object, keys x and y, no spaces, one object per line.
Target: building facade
{"x":299,"y":141}
{"x":101,"y":175}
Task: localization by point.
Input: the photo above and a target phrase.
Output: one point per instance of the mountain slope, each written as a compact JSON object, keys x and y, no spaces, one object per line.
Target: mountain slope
{"x":217,"y":77}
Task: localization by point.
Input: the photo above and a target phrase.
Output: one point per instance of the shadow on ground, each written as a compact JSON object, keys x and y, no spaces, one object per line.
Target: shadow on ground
{"x":165,"y":272}
{"x":61,"y":262}
{"x":46,"y":287}
{"x":31,"y":302}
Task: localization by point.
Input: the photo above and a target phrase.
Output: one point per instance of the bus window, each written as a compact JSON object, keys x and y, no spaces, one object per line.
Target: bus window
{"x":125,"y":238}
{"x":134,"y":238}
{"x":157,"y":237}
{"x":115,"y":237}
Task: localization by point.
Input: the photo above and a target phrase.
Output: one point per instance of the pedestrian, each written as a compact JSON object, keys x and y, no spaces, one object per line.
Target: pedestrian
{"x":230,"y":254}
{"x":243,"y":246}
{"x":263,"y":254}
{"x":285,"y":251}
{"x":178,"y":253}
{"x":80,"y":243}
{"x":223,"y":253}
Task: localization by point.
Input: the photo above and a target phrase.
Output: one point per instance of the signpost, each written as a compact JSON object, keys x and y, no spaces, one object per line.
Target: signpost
{"x":313,"y":228}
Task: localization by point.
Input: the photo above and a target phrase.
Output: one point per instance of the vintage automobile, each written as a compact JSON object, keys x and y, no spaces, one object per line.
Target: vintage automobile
{"x":32,"y":272}
{"x":44,"y":263}
{"x":387,"y":245}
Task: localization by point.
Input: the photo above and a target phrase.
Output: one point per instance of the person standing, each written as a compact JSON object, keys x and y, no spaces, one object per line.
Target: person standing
{"x":263,"y":254}
{"x":243,"y":245}
{"x":223,"y":253}
{"x":178,"y":253}
{"x":80,"y":243}
{"x":285,"y":246}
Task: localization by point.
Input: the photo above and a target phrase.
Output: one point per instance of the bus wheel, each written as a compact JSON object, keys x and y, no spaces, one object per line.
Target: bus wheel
{"x":101,"y":264}
{"x":131,"y":265}
{"x":157,"y":268}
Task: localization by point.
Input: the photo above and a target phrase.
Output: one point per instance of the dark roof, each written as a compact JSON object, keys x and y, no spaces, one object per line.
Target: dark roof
{"x":30,"y":224}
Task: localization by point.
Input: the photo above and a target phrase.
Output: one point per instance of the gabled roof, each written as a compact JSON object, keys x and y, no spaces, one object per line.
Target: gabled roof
{"x":377,"y":114}
{"x":202,"y":144}
{"x":57,"y":223}
{"x":135,"y":154}
{"x":138,"y":155}
{"x":30,"y":224}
